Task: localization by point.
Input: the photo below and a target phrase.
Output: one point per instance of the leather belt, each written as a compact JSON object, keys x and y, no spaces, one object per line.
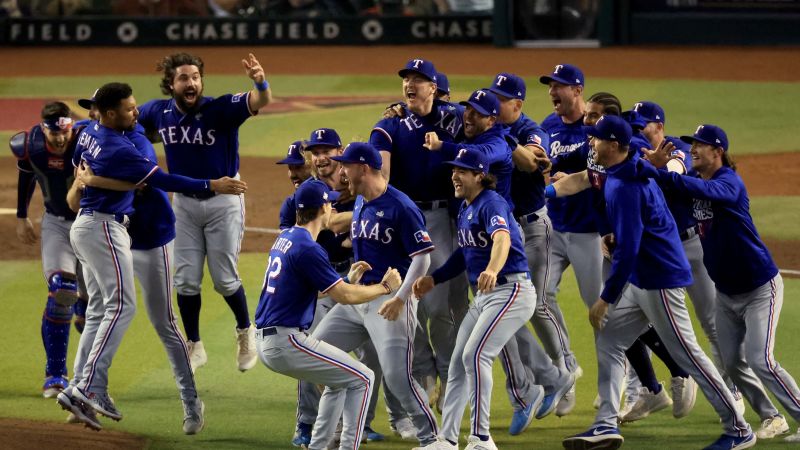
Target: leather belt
{"x":201,"y":195}
{"x":122,"y":219}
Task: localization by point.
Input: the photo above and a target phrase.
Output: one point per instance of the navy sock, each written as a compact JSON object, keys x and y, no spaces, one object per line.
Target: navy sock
{"x":640,"y":361}
{"x":453,"y":443}
{"x":653,"y":341}
{"x":483,"y":437}
{"x":304,"y":427}
{"x":56,"y":321}
{"x":189,"y":306}
{"x":238,"y":304}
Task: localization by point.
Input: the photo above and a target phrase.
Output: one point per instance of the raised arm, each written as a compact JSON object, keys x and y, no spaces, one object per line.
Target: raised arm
{"x":261,"y":94}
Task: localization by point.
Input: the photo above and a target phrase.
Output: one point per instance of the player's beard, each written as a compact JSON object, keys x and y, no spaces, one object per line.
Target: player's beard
{"x":181,"y":101}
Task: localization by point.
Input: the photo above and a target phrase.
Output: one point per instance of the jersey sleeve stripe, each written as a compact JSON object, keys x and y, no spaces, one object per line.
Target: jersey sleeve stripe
{"x":424,"y":250}
{"x":152,"y":171}
{"x":331,"y":286}
{"x":247,"y":101}
{"x":384,"y":133}
{"x":504,"y":230}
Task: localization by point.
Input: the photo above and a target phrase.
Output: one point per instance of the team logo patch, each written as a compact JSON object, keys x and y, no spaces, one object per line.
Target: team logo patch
{"x":498,"y":221}
{"x":55,"y":163}
{"x":679,"y":154}
{"x":534,"y":139}
{"x":237,"y":97}
{"x":379,"y":213}
{"x":422,"y":237}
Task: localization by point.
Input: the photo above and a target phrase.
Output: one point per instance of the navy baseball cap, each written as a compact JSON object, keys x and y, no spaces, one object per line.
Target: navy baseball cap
{"x":508,"y":85}
{"x":313,"y":194}
{"x":484,"y":102}
{"x":470,"y":159}
{"x":634,"y":119}
{"x":420,"y":66}
{"x":86,"y":103}
{"x":709,"y":134}
{"x":324,"y":136}
{"x":360,"y":153}
{"x":650,"y":112}
{"x":442,"y":83}
{"x":294,"y":155}
{"x":564,"y":74}
{"x":611,"y":128}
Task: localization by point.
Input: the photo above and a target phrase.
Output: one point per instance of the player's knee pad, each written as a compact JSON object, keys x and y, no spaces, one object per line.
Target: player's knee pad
{"x":56,"y":312}
{"x":63,"y":287}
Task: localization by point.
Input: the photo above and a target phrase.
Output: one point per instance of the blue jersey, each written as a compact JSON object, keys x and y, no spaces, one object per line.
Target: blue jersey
{"x":287,"y":216}
{"x":297,"y":269}
{"x":387,"y":232}
{"x":53,"y":172}
{"x":111,"y":154}
{"x":681,"y":206}
{"x":568,"y":149}
{"x":649,"y":253}
{"x":493,"y":144}
{"x":527,"y":188}
{"x":153,"y":224}
{"x":736,"y":258}
{"x":203,"y":144}
{"x":416,"y":171}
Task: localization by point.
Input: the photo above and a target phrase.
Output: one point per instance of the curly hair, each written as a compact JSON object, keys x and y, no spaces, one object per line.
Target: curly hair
{"x":169,"y":65}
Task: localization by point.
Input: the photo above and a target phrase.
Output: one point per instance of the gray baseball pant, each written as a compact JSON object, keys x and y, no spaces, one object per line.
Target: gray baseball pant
{"x":490,"y":323}
{"x":349,"y":326}
{"x":348,"y":383}
{"x":666,"y":310}
{"x":526,"y":365}
{"x":746,"y":324}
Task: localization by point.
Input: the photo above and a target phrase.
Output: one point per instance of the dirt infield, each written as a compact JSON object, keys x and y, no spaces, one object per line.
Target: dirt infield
{"x":18,"y":434}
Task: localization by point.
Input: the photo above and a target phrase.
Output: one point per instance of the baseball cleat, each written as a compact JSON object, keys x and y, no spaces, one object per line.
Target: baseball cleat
{"x":53,"y":386}
{"x":684,"y":394}
{"x":597,"y":438}
{"x":193,"y":416}
{"x":81,"y":411}
{"x":793,"y":437}
{"x":405,"y":429}
{"x":371,"y":435}
{"x":551,"y":400}
{"x":72,"y":418}
{"x":567,"y":403}
{"x":627,"y":405}
{"x":197,"y":354}
{"x":246,"y":355}
{"x":475,"y":443}
{"x":726,"y":442}
{"x":302,"y":435}
{"x":439,"y":444}
{"x":647,"y":404}
{"x":522,"y":418}
{"x":774,"y":426}
{"x":101,"y":403}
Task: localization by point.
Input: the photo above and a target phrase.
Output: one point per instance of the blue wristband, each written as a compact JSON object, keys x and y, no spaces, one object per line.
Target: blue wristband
{"x":263,"y":86}
{"x":550,"y":191}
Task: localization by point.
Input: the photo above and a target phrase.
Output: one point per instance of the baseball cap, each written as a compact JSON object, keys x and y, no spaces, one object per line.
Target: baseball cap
{"x":564,"y":74}
{"x":442,"y":83}
{"x":708,"y":134}
{"x":324,"y":136}
{"x":360,"y":153}
{"x":420,"y":66}
{"x":86,"y":103}
{"x":484,"y":102}
{"x":313,"y":194}
{"x":508,"y":85}
{"x":611,"y":128}
{"x":470,"y":159}
{"x":634,"y":119}
{"x":294,"y":155}
{"x":650,"y":112}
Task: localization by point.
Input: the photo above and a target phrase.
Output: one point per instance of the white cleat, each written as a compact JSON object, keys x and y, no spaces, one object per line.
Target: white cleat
{"x":627,"y":405}
{"x":440,"y":444}
{"x":684,"y":394}
{"x":647,"y":404}
{"x":197,"y":354}
{"x":193,"y":416}
{"x":793,"y":437}
{"x":405,"y":429}
{"x":246,"y":355}
{"x":774,"y":426}
{"x":475,"y":443}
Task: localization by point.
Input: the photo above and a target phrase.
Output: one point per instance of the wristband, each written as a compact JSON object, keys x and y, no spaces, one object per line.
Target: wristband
{"x":263,"y":86}
{"x":550,"y":191}
{"x":386,"y":286}
{"x":346,"y":280}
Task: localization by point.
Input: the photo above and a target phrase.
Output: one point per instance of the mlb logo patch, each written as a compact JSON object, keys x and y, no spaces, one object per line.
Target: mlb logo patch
{"x":422,"y":237}
{"x":498,"y":221}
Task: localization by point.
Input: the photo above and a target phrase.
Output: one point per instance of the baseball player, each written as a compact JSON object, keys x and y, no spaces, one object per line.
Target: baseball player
{"x":646,"y":285}
{"x":421,"y":176}
{"x":201,"y":140}
{"x":297,"y":269}
{"x":43,"y":156}
{"x":491,"y":251}
{"x":102,"y":244}
{"x":442,"y":87}
{"x":387,"y":230}
{"x":748,"y":285}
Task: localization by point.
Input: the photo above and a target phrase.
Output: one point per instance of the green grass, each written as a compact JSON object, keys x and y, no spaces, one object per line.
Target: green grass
{"x":777,"y":217}
{"x":748,"y":111}
{"x":256,"y":408}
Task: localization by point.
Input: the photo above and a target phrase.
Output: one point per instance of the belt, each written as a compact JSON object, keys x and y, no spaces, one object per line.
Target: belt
{"x":201,"y":195}
{"x":261,"y":333}
{"x":122,"y":219}
{"x":512,"y":277}
{"x":431,"y":205}
{"x":688,"y":233}
{"x":527,"y":218}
